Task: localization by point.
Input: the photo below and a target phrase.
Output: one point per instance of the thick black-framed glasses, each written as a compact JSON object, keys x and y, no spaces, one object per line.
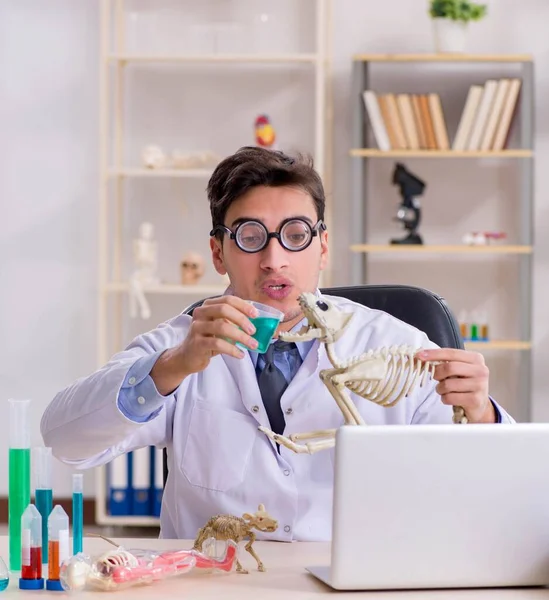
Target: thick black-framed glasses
{"x":294,"y":234}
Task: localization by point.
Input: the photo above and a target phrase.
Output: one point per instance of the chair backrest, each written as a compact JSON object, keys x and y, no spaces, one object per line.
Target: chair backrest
{"x":416,"y":306}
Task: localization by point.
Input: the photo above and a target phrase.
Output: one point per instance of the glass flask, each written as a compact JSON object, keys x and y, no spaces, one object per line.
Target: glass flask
{"x":4,"y":575}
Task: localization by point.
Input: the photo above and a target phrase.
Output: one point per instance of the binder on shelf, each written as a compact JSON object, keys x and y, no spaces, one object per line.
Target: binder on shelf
{"x":157,"y":480}
{"x":140,"y":483}
{"x":118,"y":486}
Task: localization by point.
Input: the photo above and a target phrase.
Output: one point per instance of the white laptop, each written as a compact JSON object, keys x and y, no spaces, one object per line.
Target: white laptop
{"x":440,"y":506}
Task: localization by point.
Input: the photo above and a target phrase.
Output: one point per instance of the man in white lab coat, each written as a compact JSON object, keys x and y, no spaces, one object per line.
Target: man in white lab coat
{"x":186,"y":386}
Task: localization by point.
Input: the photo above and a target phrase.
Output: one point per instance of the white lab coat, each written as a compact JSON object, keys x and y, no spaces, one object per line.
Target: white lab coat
{"x":218,"y":460}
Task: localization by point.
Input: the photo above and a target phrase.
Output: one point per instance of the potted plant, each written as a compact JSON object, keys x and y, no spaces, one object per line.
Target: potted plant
{"x":451,"y":19}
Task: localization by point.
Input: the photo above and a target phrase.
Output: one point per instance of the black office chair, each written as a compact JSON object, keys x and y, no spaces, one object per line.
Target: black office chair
{"x":413,"y":305}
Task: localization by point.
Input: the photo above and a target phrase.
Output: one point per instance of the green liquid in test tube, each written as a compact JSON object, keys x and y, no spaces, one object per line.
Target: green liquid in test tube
{"x":19,"y":476}
{"x":43,"y":494}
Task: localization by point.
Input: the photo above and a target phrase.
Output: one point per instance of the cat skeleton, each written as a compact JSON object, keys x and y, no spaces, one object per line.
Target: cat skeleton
{"x":383,"y":376}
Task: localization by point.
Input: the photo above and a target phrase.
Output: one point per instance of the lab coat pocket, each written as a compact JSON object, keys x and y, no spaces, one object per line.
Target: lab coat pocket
{"x":218,"y":447}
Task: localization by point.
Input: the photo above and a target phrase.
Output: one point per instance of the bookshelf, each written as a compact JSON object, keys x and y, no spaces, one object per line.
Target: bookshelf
{"x":298,"y":65}
{"x":365,"y":152}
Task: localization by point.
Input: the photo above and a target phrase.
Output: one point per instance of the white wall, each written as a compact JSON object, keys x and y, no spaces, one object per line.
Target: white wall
{"x":48,"y":177}
{"x":48,"y":190}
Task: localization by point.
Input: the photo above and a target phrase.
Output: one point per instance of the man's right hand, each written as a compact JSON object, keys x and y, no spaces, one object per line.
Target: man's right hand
{"x":216,"y":326}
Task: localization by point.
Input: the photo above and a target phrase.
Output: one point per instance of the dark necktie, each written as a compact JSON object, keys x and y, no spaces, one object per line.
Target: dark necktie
{"x":272,"y":384}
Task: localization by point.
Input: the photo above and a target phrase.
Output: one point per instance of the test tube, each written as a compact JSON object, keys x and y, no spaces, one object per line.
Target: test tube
{"x":475,"y":333}
{"x":41,"y":469}
{"x":19,"y":475}
{"x":31,"y":550}
{"x":77,"y":512}
{"x":462,"y":319}
{"x":58,"y":542}
{"x":483,"y":325}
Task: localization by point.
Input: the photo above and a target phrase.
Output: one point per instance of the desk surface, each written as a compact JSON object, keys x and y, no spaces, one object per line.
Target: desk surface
{"x":285,"y":578}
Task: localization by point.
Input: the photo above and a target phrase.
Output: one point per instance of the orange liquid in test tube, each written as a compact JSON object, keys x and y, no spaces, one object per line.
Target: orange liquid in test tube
{"x":53,"y":559}
{"x":58,"y":545}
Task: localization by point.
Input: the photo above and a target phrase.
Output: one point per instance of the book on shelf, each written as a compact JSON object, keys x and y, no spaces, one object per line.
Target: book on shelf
{"x":486,"y":119}
{"x":378,"y":125}
{"x":467,"y":118}
{"x":494,"y":116}
{"x":392,"y":121}
{"x":406,"y":111}
{"x":507,"y":113}
{"x":482,"y":114}
{"x":439,"y":122}
{"x":417,"y":121}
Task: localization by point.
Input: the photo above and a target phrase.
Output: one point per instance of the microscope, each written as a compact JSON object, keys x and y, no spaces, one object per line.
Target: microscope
{"x":409,"y":212}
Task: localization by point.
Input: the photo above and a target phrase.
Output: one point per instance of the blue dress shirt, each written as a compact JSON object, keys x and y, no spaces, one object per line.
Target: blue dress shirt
{"x":138,"y":398}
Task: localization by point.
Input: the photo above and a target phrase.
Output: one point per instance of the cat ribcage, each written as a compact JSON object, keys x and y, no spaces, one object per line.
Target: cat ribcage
{"x":404,"y":373}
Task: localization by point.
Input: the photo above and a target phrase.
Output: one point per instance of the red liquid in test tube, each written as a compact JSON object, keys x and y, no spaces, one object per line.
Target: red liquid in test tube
{"x":31,"y":550}
{"x":31,"y":565}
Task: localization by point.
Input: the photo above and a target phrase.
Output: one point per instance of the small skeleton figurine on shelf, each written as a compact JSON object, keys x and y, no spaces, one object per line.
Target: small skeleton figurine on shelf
{"x":192,"y":268}
{"x":229,"y":527}
{"x":145,"y":254}
{"x":384,"y":376}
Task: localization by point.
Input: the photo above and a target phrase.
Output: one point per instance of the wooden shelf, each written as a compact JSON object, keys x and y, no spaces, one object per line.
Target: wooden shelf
{"x":215,"y":58}
{"x":138,"y":172}
{"x":442,"y":57}
{"x":498,"y":345}
{"x":440,"y":249}
{"x":170,"y":288}
{"x":376,"y":153}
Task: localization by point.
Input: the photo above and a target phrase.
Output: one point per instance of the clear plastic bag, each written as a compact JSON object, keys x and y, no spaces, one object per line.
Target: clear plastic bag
{"x":121,"y":568}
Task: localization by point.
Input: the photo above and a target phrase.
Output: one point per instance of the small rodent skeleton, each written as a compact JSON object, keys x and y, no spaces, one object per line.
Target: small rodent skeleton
{"x":384,"y":376}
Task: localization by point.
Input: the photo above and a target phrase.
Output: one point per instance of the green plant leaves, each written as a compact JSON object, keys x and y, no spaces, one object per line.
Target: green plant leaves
{"x":457,"y":10}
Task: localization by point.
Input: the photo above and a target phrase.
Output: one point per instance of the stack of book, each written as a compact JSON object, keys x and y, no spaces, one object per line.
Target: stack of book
{"x":417,"y":122}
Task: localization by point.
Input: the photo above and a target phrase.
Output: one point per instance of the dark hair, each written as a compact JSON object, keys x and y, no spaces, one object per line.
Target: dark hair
{"x":252,"y":166}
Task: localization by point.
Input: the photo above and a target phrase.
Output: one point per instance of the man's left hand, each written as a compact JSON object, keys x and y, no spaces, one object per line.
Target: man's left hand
{"x":463,"y":381}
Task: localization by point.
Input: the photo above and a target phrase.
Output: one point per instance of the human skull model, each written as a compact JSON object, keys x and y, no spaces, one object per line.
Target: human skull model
{"x":192,"y":268}
{"x":154,"y":157}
